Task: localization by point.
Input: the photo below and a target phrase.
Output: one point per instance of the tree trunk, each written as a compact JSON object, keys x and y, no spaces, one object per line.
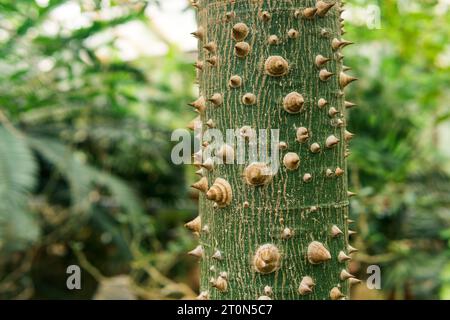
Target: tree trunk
{"x":274,"y":64}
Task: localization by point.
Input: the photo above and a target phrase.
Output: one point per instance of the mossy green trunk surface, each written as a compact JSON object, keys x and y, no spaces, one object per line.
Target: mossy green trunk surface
{"x":274,"y":64}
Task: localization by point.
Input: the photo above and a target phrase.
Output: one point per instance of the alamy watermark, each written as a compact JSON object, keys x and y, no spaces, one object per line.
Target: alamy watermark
{"x":239,"y":146}
{"x":373,"y":282}
{"x":73,"y":281}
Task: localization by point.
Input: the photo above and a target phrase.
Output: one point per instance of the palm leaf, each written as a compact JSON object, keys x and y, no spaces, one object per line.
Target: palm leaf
{"x":17,"y":179}
{"x":83,"y":178}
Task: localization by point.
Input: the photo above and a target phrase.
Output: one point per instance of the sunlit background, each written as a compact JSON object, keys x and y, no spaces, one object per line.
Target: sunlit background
{"x":90,"y":92}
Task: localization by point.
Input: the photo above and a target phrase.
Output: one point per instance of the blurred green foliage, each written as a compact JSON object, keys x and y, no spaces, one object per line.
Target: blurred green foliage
{"x":85,"y":170}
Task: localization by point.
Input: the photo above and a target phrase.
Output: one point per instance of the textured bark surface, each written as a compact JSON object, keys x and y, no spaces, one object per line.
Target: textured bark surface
{"x":308,"y":206}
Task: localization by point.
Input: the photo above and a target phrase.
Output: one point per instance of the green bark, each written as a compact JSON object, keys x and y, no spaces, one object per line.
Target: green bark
{"x":298,"y":205}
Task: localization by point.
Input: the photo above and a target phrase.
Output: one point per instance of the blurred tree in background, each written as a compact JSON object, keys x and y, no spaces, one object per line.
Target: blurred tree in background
{"x":85,"y":170}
